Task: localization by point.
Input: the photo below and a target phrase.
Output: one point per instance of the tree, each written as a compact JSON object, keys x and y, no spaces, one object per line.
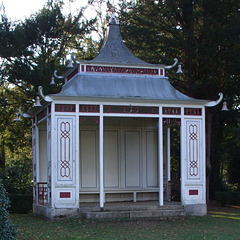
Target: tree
{"x":204,"y":35}
{"x":45,"y":40}
{"x":7,"y":229}
{"x":30,"y":51}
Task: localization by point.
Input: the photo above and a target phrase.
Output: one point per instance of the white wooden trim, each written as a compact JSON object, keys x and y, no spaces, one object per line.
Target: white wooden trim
{"x":182,"y":155}
{"x":37,"y":153}
{"x":160,"y":157}
{"x":204,"y":192}
{"x":101,"y":177}
{"x":77,"y":161}
{"x":169,"y":154}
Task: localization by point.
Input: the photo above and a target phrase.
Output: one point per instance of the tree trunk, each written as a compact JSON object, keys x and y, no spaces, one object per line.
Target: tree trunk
{"x":2,"y":153}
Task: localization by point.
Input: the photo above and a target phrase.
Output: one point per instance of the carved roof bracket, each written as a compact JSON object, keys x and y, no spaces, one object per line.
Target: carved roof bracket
{"x":45,"y":98}
{"x":215,"y":103}
{"x":171,"y":66}
{"x":25,"y":115}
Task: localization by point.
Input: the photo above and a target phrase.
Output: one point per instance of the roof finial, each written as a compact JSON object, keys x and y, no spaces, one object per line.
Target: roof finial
{"x":112,"y":10}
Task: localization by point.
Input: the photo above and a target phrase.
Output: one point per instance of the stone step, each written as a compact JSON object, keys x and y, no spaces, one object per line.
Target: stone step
{"x":162,"y":214}
{"x":131,"y":207}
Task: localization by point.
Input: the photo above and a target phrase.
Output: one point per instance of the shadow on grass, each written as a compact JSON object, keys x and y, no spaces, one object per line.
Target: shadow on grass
{"x":229,"y":212}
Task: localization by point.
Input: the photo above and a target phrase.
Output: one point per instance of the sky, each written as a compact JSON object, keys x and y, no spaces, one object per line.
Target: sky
{"x":20,"y":9}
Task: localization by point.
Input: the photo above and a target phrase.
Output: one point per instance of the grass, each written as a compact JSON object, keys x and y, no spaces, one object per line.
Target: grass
{"x":220,"y":223}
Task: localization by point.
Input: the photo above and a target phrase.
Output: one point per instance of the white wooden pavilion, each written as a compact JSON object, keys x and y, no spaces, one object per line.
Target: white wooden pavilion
{"x":105,"y":136}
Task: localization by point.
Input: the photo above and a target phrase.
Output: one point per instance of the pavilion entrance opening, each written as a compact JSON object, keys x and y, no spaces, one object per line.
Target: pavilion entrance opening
{"x":175,"y":163}
{"x":131,"y":170}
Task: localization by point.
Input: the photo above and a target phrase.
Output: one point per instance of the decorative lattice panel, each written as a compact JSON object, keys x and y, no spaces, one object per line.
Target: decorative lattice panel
{"x":65,"y":148}
{"x":193,"y":149}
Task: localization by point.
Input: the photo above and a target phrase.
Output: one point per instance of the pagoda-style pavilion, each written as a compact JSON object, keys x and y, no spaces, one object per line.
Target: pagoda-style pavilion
{"x":105,"y":136}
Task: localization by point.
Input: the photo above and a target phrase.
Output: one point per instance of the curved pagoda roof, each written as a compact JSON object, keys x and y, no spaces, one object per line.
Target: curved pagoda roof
{"x":116,"y":73}
{"x":114,"y":51}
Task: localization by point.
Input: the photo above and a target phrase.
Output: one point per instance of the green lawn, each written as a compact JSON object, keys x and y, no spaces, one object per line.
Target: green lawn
{"x":220,"y":223}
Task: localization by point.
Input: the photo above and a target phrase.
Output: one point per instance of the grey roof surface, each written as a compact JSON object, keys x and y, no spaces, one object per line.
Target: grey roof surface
{"x":121,"y":86}
{"x":114,"y":51}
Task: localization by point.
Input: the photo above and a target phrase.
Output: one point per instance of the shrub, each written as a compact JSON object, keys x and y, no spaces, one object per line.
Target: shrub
{"x":20,"y":203}
{"x":7,"y":229}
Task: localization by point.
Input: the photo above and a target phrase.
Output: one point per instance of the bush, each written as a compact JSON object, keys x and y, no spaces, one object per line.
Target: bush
{"x":17,"y":176}
{"x":7,"y":229}
{"x":228,"y":198}
{"x":20,"y":203}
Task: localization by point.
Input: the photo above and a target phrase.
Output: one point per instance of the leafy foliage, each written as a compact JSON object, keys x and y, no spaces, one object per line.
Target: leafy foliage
{"x":7,"y":229}
{"x":30,"y":51}
{"x":47,"y":37}
{"x":204,"y":35}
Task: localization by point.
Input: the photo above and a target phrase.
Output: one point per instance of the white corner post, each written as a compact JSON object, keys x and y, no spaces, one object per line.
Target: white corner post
{"x":160,"y":157}
{"x":101,"y":189}
{"x":169,"y":163}
{"x":169,"y":153}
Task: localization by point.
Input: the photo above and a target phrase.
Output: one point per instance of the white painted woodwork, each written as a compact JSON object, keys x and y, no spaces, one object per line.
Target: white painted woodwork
{"x":132,"y":158}
{"x":168,"y":154}
{"x":193,"y":149}
{"x":34,"y":163}
{"x":151,"y":158}
{"x":42,"y":155}
{"x":101,"y":179}
{"x":160,"y":160}
{"x":49,"y":174}
{"x":88,"y":158}
{"x":111,"y":159}
{"x":65,"y":148}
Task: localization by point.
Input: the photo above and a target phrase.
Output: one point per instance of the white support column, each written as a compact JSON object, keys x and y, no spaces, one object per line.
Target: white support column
{"x":168,"y":164}
{"x":169,"y":153}
{"x":37,"y":153}
{"x":101,"y":190}
{"x":160,"y":157}
{"x":182,"y":155}
{"x":77,"y":146}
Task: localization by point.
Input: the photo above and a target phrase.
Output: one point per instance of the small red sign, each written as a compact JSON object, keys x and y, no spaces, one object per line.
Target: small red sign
{"x":193,"y":192}
{"x":65,"y":195}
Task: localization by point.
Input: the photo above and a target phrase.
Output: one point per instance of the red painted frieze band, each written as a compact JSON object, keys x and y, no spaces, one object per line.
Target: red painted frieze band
{"x":171,"y":111}
{"x":89,"y":108}
{"x":82,"y":68}
{"x":193,"y":111}
{"x":126,"y":70}
{"x":72,"y":74}
{"x":130,"y":109}
{"x":49,"y":109}
{"x":65,"y":108}
{"x":42,"y":114}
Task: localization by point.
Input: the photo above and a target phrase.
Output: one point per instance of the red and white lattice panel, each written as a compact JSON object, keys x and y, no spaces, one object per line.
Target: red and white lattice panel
{"x":193,"y":149}
{"x":65,"y":149}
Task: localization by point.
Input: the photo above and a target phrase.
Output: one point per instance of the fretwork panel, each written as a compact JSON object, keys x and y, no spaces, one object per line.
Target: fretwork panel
{"x":65,"y":148}
{"x":193,"y":149}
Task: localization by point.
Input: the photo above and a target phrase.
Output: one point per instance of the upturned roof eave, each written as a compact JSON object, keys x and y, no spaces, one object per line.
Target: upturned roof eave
{"x":105,"y":99}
